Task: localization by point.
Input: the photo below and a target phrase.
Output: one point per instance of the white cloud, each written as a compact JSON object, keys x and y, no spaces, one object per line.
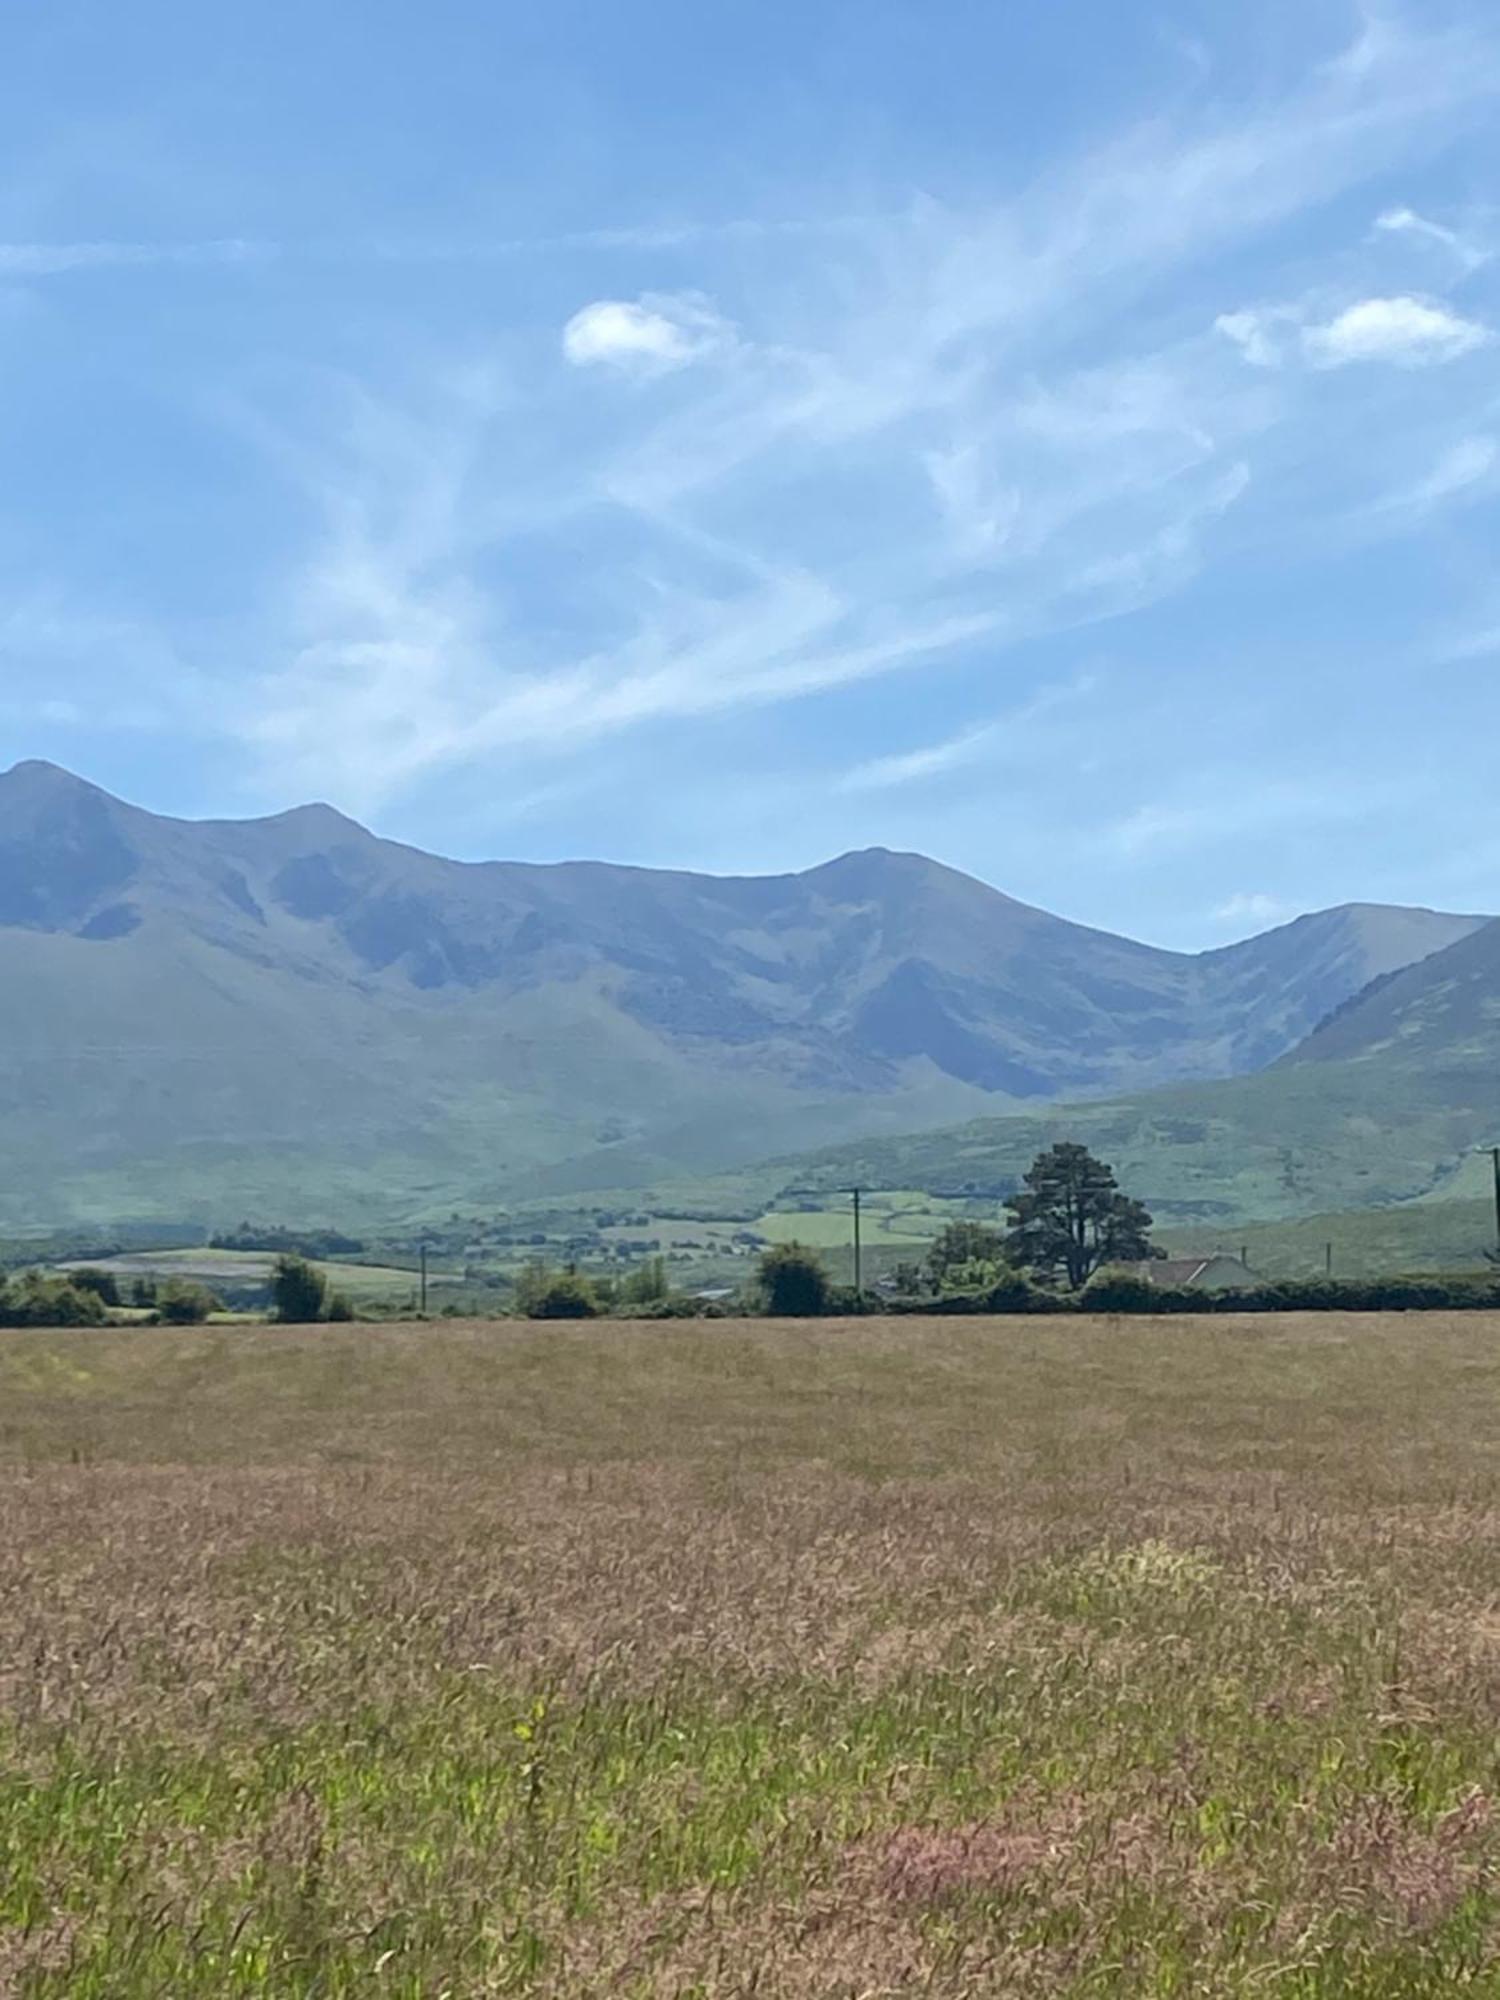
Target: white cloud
{"x":901,"y":466}
{"x":1008,"y":738}
{"x":980,"y":507}
{"x":1462,"y":467}
{"x":1255,"y":334}
{"x":909,"y":766}
{"x":1411,"y":332}
{"x":1408,"y":331}
{"x":1255,"y":908}
{"x":1406,"y":222}
{"x":649,"y":336}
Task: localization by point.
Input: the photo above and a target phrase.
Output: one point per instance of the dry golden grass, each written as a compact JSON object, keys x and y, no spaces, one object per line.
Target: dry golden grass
{"x":865,"y":1659}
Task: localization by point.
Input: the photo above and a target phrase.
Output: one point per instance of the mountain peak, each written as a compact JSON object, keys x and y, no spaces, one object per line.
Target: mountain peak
{"x":318,"y":818}
{"x":870,"y":868}
{"x":36,"y":776}
{"x":34,"y":791}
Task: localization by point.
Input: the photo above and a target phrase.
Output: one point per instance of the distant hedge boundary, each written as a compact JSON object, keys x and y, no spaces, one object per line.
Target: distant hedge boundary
{"x":1124,"y":1292}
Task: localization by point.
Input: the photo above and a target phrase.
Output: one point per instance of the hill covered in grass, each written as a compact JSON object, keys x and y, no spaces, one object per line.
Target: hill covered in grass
{"x":1383,"y":1105}
{"x":200,"y":1021}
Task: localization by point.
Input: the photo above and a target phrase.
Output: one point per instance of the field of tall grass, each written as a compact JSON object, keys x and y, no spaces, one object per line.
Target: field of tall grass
{"x":865,"y":1659}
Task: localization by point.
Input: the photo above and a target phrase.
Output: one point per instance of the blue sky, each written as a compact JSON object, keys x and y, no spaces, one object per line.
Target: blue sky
{"x":1064,"y":440}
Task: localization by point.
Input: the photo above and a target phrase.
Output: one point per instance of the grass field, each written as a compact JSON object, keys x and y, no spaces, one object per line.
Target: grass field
{"x":955,"y":1658}
{"x":363,"y":1283}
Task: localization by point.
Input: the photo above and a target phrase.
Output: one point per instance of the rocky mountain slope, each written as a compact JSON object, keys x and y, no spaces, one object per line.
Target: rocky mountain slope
{"x":218,"y":1017}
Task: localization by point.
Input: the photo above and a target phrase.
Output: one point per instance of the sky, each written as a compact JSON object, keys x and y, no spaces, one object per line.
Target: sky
{"x":1061,"y":440}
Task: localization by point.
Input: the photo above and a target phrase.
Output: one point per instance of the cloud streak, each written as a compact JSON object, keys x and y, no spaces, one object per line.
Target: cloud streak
{"x":1406,"y":222}
{"x":912,"y":459}
{"x":45,"y":260}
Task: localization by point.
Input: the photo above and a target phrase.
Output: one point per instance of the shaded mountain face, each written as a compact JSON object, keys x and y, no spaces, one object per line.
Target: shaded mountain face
{"x":1443,"y":1010}
{"x":1384,"y":1104}
{"x":292,"y":1004}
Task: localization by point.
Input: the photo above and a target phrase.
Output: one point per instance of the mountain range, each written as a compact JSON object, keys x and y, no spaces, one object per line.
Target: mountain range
{"x":208,"y":1019}
{"x":1386,"y":1103}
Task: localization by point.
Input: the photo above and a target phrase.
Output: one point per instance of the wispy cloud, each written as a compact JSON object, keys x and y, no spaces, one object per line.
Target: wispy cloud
{"x":1253,"y":910}
{"x":1198,"y":814}
{"x":1463,"y":468}
{"x":1260,"y":335}
{"x":924,"y":452}
{"x":906,"y":767}
{"x":1006,"y":739}
{"x":1468,"y":255}
{"x":42,"y":260}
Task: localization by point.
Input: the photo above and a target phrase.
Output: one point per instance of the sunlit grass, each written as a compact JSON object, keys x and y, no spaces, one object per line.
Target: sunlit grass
{"x":866,"y":1658}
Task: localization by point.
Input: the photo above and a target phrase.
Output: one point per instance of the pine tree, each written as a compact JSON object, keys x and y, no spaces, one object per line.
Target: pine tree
{"x":1071,"y":1217}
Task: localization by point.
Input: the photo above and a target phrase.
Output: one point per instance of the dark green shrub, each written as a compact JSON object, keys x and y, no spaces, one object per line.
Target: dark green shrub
{"x":647,"y":1285}
{"x":299,"y":1292}
{"x":964,"y":1256}
{"x":1119,"y":1289}
{"x":565,"y":1296}
{"x":181,"y":1302}
{"x":340,"y":1307}
{"x":103,"y":1284}
{"x":679,"y":1306}
{"x":1013,"y":1292}
{"x":35,"y":1300}
{"x":793,"y":1283}
{"x":847,"y":1303}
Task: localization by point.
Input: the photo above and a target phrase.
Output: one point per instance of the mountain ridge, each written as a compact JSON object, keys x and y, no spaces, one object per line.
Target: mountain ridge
{"x":280,"y":1004}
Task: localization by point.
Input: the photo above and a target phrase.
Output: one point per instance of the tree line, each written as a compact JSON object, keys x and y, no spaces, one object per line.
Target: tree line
{"x":300,"y":1294}
{"x":1069,"y":1219}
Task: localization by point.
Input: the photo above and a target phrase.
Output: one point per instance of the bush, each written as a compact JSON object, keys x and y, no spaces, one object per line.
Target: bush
{"x":793,"y":1283}
{"x":1014,"y":1293}
{"x":1439,"y":1293}
{"x":35,"y":1300}
{"x":679,"y":1306}
{"x":299,"y":1292}
{"x":965,"y":1257}
{"x":647,"y":1284}
{"x":180,"y":1302}
{"x":1123,"y":1289}
{"x":340,"y":1307}
{"x":847,"y":1303}
{"x":295,"y":1242}
{"x":565,"y":1296}
{"x":1119,"y":1288}
{"x":103,"y":1284}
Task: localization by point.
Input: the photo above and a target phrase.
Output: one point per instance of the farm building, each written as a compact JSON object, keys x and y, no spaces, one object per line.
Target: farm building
{"x":1218,"y":1273}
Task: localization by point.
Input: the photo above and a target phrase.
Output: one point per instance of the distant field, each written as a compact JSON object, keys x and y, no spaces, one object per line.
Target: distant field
{"x":907,"y":1221}
{"x":366,"y":1282}
{"x":1419,"y":1236}
{"x":872,"y":1658}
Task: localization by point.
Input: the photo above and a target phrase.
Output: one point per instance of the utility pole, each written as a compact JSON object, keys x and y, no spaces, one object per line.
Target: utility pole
{"x":1495,"y":1156}
{"x":856,"y":1193}
{"x":1328,"y":1259}
{"x":424,"y":1280}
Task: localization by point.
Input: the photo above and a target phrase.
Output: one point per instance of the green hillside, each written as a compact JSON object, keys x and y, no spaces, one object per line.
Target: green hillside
{"x":1366,"y":1138}
{"x":200,"y":1022}
{"x":1298,"y":1141}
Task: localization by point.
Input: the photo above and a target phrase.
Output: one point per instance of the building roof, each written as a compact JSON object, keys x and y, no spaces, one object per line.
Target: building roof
{"x":1188,"y":1270}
